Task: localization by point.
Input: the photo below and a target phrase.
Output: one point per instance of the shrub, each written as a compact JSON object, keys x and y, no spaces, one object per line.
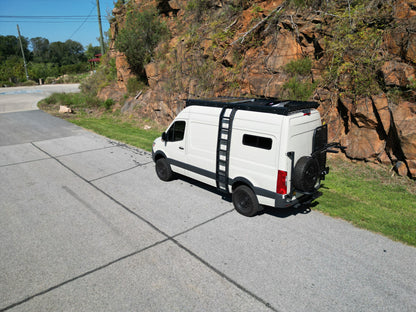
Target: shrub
{"x":108,"y":103}
{"x":299,"y":87}
{"x":29,"y":83}
{"x":137,"y":40}
{"x":6,"y":83}
{"x":50,"y":80}
{"x":103,"y":76}
{"x":299,"y":90}
{"x":198,"y":7}
{"x":75,"y":100}
{"x":134,"y":85}
{"x":300,"y":67}
{"x":355,"y":48}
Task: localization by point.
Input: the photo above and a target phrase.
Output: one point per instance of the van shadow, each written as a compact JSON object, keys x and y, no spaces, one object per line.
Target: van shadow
{"x":287,"y":212}
{"x":275,"y":212}
{"x":201,"y":185}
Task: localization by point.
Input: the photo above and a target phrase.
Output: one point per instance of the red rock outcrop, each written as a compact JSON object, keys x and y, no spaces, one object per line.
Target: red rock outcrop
{"x":248,"y":56}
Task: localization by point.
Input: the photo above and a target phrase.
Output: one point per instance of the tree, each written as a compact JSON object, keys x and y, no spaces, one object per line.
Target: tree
{"x":10,"y":46}
{"x":74,"y":52}
{"x":12,"y":69}
{"x":66,"y":53}
{"x":40,"y":49}
{"x":92,"y":51}
{"x":57,"y":52}
{"x":141,"y":34}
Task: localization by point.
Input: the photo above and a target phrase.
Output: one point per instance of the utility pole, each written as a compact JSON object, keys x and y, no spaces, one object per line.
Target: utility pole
{"x":23,"y":53}
{"x":101,"y":28}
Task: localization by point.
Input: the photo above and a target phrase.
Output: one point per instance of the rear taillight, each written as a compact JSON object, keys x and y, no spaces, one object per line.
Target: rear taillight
{"x":281,"y":187}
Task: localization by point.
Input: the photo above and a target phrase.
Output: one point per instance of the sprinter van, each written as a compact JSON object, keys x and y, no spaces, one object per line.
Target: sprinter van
{"x":259,"y":151}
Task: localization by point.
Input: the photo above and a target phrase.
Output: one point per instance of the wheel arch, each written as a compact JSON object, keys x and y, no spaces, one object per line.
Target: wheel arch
{"x":242,"y":181}
{"x":158,"y":154}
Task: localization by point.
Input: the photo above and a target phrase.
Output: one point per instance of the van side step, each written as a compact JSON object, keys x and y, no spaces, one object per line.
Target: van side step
{"x":225,"y":124}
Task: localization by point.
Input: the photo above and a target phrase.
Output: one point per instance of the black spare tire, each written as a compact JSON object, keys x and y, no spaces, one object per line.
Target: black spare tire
{"x":306,"y":174}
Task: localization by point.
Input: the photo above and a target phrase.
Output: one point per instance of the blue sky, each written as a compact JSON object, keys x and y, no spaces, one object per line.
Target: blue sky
{"x":55,"y":20}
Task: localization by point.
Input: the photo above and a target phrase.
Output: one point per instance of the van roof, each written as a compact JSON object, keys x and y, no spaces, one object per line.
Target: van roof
{"x":269,"y":105}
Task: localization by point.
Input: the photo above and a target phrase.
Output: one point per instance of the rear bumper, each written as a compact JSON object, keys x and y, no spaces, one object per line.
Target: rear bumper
{"x":281,"y":202}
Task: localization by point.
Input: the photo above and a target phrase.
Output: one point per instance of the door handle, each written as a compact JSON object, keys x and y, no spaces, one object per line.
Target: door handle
{"x":181,"y":148}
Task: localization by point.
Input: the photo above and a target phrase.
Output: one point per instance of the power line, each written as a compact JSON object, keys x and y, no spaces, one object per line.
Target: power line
{"x":50,"y":22}
{"x":46,"y":16}
{"x":92,"y":9}
{"x":49,"y":18}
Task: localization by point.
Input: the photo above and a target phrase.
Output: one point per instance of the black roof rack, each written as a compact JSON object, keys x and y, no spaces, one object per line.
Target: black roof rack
{"x":269,"y":105}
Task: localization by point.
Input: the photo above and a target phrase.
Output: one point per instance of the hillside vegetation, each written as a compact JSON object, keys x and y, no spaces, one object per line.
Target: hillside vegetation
{"x":356,"y":58}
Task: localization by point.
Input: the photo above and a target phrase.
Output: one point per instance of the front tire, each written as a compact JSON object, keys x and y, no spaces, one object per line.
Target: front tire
{"x":245,"y":201}
{"x":163,"y":169}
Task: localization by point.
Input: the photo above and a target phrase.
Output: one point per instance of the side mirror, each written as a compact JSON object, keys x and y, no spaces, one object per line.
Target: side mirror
{"x":164,"y":136}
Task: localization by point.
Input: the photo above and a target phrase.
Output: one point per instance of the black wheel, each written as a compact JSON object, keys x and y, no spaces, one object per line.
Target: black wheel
{"x":163,"y":170}
{"x":245,"y":201}
{"x":306,"y":174}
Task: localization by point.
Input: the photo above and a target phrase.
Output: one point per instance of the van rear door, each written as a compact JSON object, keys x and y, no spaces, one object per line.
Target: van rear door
{"x":301,"y":131}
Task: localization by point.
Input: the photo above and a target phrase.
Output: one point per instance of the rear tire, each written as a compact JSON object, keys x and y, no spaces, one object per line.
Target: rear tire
{"x":306,"y":174}
{"x":245,"y":201}
{"x":163,"y":169}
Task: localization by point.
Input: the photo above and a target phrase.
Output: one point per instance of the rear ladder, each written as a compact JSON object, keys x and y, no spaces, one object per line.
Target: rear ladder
{"x":225,"y":126}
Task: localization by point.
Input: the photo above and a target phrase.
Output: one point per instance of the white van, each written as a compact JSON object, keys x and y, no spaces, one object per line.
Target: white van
{"x":262,"y":151}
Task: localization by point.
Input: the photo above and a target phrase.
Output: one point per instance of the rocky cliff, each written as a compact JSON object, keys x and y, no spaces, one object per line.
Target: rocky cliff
{"x":356,"y":58}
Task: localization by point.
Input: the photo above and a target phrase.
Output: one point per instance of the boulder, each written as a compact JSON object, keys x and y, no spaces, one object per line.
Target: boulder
{"x":177,"y":4}
{"x":381,"y":106}
{"x":129,"y":105}
{"x":411,"y":48}
{"x":335,"y":125}
{"x":287,"y":49}
{"x":123,"y":71}
{"x":384,"y":158}
{"x":412,"y":167}
{"x":404,"y":116}
{"x":152,"y":74}
{"x":64,"y":109}
{"x":364,"y":113}
{"x":258,"y":83}
{"x":111,"y":92}
{"x":397,"y":74}
{"x":401,"y":168}
{"x":363,"y":143}
{"x":394,"y":42}
{"x":404,"y":9}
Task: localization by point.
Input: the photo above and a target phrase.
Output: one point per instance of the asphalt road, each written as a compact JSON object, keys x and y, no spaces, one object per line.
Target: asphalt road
{"x":85,"y":225}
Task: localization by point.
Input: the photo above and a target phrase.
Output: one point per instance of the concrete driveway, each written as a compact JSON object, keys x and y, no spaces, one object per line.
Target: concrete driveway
{"x":17,"y":99}
{"x":85,"y":225}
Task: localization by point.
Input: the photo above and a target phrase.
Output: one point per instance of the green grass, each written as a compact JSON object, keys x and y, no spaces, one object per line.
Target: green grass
{"x":94,"y":114}
{"x":370,"y":198}
{"x":117,"y":129}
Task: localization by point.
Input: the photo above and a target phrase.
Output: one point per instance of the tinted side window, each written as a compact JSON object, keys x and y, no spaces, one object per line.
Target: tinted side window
{"x":257,"y":141}
{"x":176,"y":131}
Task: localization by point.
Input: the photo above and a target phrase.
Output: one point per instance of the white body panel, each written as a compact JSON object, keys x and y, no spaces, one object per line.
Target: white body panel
{"x":195,"y":155}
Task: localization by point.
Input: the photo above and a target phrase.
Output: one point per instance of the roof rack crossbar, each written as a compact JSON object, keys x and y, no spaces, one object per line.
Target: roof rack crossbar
{"x":270,"y":105}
